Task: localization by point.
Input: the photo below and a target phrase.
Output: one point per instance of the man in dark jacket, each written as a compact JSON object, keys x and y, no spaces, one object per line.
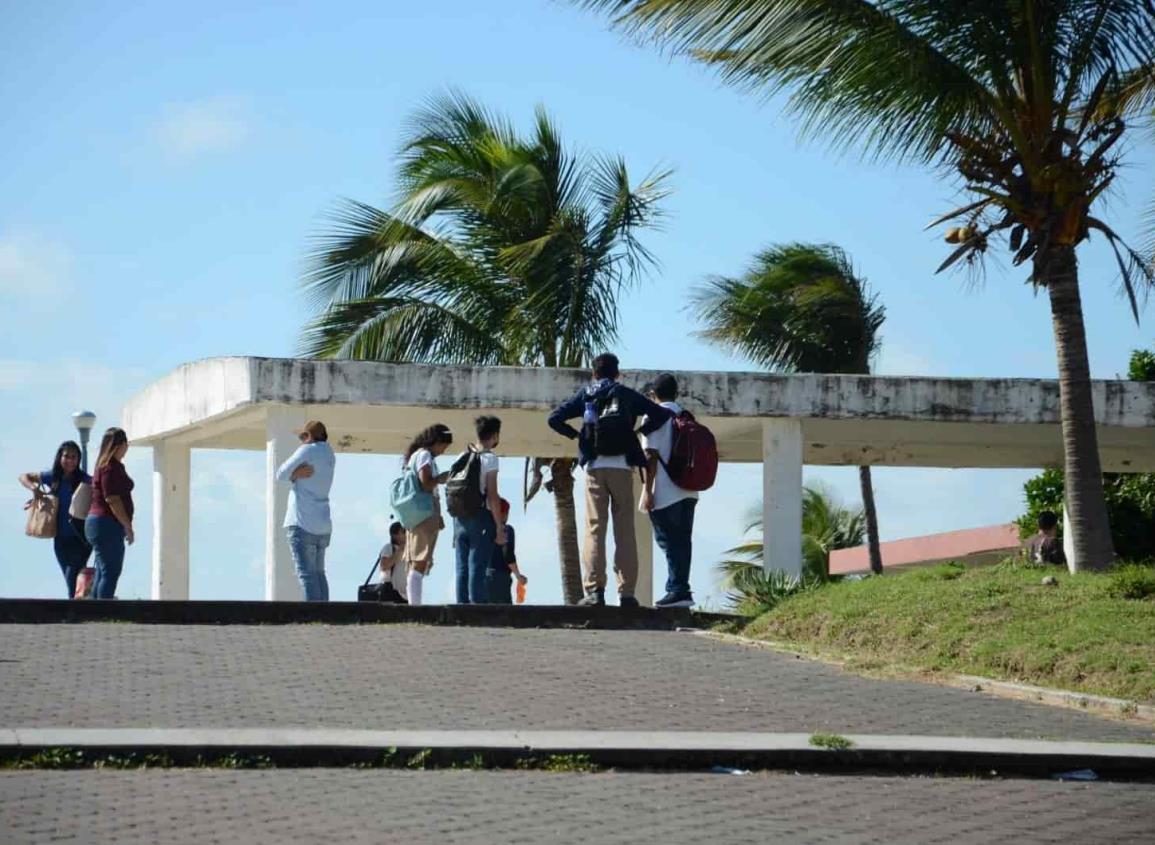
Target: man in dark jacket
{"x":608,"y":450}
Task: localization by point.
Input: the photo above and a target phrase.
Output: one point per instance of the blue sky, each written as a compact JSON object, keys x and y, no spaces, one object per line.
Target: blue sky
{"x":163,"y":170}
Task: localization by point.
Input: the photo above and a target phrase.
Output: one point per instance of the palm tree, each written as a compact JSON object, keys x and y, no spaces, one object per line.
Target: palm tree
{"x":1133,"y":97}
{"x":1005,"y":93}
{"x":499,"y":250}
{"x":800,"y":308}
{"x":826,"y":526}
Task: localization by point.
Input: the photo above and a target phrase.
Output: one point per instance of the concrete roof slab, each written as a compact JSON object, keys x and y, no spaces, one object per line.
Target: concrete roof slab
{"x":376,"y":407}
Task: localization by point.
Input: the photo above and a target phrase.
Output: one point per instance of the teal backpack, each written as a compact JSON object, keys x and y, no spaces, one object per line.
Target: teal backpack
{"x":411,"y":504}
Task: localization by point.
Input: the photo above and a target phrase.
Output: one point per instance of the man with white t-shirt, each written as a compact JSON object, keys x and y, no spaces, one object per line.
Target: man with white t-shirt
{"x":670,"y":507}
{"x":477,"y":535}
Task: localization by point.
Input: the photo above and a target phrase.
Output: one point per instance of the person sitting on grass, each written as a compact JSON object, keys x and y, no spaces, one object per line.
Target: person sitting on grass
{"x":1045,"y":546}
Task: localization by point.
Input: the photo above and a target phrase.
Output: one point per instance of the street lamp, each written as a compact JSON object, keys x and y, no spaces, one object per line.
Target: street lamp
{"x":84,"y":421}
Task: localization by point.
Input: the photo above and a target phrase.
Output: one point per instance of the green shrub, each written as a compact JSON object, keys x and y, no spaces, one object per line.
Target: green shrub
{"x":1130,"y":498}
{"x":1130,"y":508}
{"x":751,"y":591}
{"x":1132,"y":581}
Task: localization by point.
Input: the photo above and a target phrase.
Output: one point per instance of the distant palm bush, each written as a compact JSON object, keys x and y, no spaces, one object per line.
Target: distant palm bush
{"x":826,"y":526}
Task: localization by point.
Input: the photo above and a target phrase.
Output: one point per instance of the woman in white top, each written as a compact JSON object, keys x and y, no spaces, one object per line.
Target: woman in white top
{"x":421,"y":540}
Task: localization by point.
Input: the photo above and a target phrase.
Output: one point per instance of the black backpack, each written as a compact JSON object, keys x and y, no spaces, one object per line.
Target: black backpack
{"x":463,"y":489}
{"x":613,"y":429}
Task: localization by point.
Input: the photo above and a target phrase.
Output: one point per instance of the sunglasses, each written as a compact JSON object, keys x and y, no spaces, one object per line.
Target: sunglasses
{"x":303,"y":436}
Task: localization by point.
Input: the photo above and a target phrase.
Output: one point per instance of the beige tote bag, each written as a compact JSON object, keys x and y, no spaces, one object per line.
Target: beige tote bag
{"x":42,"y":516}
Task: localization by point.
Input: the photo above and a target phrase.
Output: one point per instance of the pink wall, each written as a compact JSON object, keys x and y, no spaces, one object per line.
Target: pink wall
{"x":951,"y":545}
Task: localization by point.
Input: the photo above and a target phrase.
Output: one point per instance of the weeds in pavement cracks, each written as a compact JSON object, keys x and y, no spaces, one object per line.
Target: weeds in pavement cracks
{"x":423,"y":760}
{"x":834,"y":742}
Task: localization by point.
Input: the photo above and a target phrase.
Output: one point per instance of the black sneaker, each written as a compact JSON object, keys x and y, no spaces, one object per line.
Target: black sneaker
{"x":595,"y":599}
{"x":672,"y":600}
{"x":628,"y":601}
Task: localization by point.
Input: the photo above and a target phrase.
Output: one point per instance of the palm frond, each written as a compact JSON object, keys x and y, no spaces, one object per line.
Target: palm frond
{"x":855,"y":71}
{"x":518,"y":249}
{"x":401,"y":329}
{"x":799,"y":308}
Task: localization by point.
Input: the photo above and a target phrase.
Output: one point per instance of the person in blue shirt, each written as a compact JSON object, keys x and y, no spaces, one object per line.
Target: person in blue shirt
{"x":72,"y":550}
{"x":308,"y":522}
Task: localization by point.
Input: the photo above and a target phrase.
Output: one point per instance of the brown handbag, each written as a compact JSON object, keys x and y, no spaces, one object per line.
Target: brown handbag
{"x":42,"y":510}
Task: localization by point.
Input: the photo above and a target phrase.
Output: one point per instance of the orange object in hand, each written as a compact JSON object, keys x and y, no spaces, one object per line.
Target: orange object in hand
{"x":520,"y":593}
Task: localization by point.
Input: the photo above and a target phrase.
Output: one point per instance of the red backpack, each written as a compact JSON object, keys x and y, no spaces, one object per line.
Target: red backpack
{"x":693,"y":463}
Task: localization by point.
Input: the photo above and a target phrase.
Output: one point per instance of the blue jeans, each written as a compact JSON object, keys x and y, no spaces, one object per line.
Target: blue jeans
{"x":72,"y":551}
{"x":309,"y":556}
{"x":106,"y":536}
{"x":499,"y":581}
{"x":673,"y":529}
{"x":473,"y":541}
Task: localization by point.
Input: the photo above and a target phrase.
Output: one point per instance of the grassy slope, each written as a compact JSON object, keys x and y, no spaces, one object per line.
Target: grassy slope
{"x":1000,"y":622}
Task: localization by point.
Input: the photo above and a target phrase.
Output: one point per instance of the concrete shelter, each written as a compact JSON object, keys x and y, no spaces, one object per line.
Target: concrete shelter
{"x":780,"y":421}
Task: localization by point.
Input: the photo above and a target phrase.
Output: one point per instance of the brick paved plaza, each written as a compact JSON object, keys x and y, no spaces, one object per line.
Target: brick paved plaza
{"x":444,"y":808}
{"x":409,"y":676}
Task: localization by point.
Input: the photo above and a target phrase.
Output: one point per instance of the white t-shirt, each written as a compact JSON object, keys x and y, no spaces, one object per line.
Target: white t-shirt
{"x":608,"y":462}
{"x":488,"y":465}
{"x":396,"y":573}
{"x":666,"y":492}
{"x":423,"y":458}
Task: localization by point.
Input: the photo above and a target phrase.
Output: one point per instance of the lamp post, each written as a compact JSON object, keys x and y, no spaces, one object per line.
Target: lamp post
{"x":84,"y":421}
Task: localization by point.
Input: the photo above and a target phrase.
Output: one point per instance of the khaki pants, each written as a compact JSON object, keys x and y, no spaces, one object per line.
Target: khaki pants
{"x":610,"y":491}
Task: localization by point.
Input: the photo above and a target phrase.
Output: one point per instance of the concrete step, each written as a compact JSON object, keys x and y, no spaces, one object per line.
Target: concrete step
{"x":49,"y":611}
{"x":620,"y":749}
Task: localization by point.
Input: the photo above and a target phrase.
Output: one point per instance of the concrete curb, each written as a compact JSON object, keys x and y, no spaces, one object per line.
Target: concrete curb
{"x":619,"y":749}
{"x":1116,"y":708}
{"x":155,"y":612}
{"x":1119,"y":708}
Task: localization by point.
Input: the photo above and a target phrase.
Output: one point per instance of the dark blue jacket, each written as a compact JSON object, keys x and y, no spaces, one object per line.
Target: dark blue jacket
{"x":635,"y":405}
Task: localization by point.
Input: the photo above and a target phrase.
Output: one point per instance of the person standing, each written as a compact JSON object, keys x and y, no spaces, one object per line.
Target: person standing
{"x":503,"y":568}
{"x":308,"y":522}
{"x":671,"y":508}
{"x":609,"y":450}
{"x":421,"y":540}
{"x":478,"y":526}
{"x":72,"y":549}
{"x":109,"y":524}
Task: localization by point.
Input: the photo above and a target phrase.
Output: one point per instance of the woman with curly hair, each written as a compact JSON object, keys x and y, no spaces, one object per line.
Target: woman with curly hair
{"x":420,"y":541}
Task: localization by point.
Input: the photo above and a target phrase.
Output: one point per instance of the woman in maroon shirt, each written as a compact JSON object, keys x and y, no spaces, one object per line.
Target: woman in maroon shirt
{"x":109,"y":523}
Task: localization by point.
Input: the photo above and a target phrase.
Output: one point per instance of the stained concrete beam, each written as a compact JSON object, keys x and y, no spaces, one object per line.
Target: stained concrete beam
{"x":902,"y":421}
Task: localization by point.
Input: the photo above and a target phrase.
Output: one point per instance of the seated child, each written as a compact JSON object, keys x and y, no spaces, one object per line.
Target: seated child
{"x":391,"y":560}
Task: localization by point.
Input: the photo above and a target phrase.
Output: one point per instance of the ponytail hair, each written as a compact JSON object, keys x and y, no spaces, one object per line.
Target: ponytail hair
{"x":427,"y":438}
{"x":113,"y":439}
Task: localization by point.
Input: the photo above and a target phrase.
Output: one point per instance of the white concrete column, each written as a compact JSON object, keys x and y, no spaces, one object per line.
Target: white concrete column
{"x":782,"y":495}
{"x":170,"y":520}
{"x":644,"y":531}
{"x":1068,"y":540}
{"x":280,"y":442}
